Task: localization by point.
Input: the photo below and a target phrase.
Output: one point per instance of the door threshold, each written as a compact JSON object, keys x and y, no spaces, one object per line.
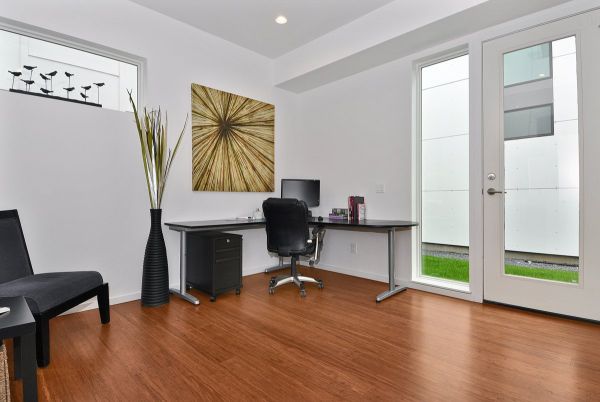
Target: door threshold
{"x":549,"y":313}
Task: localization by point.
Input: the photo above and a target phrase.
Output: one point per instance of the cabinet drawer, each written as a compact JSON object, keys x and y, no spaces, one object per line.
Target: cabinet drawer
{"x":228,"y":254}
{"x":227,"y":242}
{"x":228,"y":273}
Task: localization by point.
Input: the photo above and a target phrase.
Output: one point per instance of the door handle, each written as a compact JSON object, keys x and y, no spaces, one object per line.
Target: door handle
{"x":492,"y":191}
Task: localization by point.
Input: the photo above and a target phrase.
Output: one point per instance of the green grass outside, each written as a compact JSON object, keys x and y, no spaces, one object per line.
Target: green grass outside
{"x":458,"y":270}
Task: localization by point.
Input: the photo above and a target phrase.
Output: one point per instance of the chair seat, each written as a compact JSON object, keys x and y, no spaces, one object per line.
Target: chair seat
{"x":48,"y":290}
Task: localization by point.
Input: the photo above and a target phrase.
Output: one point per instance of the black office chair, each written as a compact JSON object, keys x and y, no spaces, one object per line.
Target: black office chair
{"x":48,"y":294}
{"x":288,"y":236}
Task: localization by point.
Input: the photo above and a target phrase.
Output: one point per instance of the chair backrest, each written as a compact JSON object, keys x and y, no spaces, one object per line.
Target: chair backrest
{"x":14,"y":257}
{"x":287,"y":226}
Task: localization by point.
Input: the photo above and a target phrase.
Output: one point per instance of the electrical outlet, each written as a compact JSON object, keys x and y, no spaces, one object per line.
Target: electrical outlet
{"x":380,"y":188}
{"x":353,"y":248}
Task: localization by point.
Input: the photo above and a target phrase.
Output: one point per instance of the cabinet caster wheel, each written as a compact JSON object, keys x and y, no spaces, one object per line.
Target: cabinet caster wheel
{"x":238,"y":291}
{"x":302,"y":293}
{"x":213,"y":299}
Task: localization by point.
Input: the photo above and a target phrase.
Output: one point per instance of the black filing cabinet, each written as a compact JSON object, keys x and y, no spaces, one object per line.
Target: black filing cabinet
{"x":214,"y":262}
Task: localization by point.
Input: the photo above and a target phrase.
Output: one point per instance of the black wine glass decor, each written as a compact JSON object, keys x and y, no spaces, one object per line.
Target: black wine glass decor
{"x":85,"y":95}
{"x":99,"y":85}
{"x":69,"y":75}
{"x":51,"y":75}
{"x":69,"y":89}
{"x":30,"y":69}
{"x":45,"y":80}
{"x":48,"y":90}
{"x":28,"y":84}
{"x":15,"y":74}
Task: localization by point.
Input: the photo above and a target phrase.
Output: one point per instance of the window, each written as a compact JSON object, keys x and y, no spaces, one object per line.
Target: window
{"x":87,"y":69}
{"x":528,"y":65}
{"x":541,"y":162}
{"x":528,"y":92}
{"x":444,"y":120}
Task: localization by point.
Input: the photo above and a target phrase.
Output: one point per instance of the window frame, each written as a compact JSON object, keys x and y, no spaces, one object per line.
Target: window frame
{"x":35,"y":32}
{"x":417,"y":177}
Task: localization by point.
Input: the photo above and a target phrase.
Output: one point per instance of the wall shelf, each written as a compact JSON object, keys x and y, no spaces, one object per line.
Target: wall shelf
{"x":19,"y":91}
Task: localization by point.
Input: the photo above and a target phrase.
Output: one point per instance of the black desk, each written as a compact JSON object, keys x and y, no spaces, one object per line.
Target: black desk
{"x":241,"y":224}
{"x":20,"y":326}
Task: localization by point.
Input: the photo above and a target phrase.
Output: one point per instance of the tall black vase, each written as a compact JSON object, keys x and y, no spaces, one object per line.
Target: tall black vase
{"x":155,"y":279}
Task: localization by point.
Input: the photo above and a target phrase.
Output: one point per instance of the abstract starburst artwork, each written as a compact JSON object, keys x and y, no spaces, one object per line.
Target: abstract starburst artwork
{"x":233,"y":142}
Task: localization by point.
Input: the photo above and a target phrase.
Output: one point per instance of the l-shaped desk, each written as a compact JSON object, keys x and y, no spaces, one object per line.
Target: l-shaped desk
{"x":370,"y":225}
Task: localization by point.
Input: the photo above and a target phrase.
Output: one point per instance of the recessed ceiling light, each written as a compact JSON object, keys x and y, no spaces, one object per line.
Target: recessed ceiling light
{"x":281,"y":20}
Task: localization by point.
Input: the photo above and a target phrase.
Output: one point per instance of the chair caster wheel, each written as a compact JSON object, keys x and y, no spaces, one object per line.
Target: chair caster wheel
{"x":321,"y":285}
{"x":213,"y":299}
{"x":271,"y":291}
{"x":238,"y":291}
{"x":302,"y":293}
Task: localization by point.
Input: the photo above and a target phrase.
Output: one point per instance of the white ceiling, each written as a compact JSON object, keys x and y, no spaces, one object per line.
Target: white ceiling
{"x":250,"y":23}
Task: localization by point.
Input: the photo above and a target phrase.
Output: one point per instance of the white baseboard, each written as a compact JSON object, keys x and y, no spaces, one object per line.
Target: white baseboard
{"x":353,"y":272}
{"x":93,"y":304}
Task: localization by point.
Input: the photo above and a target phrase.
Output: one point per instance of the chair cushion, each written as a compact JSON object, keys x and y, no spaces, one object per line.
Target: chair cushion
{"x":48,"y":290}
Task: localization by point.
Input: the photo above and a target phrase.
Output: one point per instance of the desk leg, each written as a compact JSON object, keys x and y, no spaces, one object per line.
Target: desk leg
{"x":277,"y":267}
{"x":392,"y":268}
{"x":17,"y":357}
{"x":181,"y":292}
{"x":29,"y":367}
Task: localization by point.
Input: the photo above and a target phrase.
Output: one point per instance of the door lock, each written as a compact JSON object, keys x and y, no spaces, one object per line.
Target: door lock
{"x":492,"y":191}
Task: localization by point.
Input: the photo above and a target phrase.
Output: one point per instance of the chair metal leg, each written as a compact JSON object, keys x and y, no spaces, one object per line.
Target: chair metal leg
{"x":295,"y":278}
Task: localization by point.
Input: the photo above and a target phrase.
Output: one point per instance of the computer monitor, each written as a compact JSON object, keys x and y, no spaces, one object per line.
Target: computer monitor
{"x":308,"y":191}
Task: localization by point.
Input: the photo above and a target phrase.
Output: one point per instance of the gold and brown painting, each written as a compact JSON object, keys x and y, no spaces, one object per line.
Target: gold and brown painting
{"x":233,"y":140}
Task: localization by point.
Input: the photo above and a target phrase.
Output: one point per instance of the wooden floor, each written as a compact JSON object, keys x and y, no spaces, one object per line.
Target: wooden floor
{"x":336,"y":344}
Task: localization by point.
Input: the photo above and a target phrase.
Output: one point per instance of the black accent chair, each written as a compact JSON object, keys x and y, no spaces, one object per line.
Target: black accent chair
{"x":48,"y":294}
{"x":288,"y":235}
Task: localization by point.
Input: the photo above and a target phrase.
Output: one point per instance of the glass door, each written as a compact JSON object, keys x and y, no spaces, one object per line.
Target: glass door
{"x":533,"y":148}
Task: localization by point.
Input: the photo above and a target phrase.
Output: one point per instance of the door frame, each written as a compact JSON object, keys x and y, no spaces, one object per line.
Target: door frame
{"x":493,"y":253}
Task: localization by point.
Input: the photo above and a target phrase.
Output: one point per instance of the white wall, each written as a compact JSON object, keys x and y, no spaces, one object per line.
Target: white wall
{"x":74,"y":172}
{"x":353,"y":135}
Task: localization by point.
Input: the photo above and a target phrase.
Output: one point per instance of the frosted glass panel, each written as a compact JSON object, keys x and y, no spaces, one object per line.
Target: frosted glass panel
{"x":532,"y":63}
{"x":443,"y":73}
{"x":530,"y":122}
{"x":445,"y":170}
{"x":450,"y":104}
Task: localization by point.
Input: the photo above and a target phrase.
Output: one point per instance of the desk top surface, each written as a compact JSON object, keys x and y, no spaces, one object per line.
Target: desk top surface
{"x":248,"y":223}
{"x":18,"y":321}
